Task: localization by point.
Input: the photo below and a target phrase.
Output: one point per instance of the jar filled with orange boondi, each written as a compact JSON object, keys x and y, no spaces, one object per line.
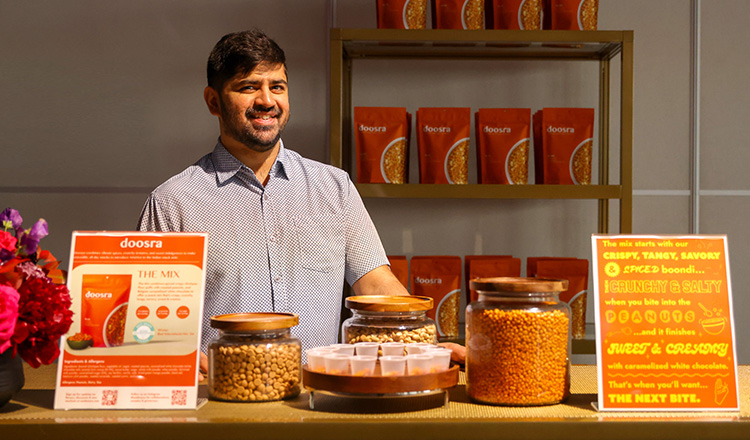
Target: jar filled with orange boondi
{"x":518,"y":342}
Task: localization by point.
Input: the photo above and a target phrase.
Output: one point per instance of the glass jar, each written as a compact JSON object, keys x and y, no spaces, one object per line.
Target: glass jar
{"x":389,"y":319}
{"x":255,"y":358}
{"x":518,"y":342}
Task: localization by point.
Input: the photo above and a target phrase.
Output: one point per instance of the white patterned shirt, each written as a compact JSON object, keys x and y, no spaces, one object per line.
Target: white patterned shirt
{"x":285,"y":247}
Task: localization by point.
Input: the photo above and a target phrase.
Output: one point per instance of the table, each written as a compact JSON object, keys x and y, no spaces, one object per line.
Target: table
{"x":30,"y":416}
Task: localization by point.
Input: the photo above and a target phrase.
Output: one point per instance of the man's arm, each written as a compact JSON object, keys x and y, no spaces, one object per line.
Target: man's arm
{"x":379,"y":281}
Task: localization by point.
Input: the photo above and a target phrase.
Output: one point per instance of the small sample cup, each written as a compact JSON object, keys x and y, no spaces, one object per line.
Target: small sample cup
{"x":343,"y":348}
{"x":392,"y":365}
{"x":362,"y":365}
{"x":418,"y":364}
{"x":336,"y":363}
{"x":417,"y":348}
{"x":441,"y":359}
{"x":392,"y":348}
{"x":315,"y":361}
{"x":366,"y":348}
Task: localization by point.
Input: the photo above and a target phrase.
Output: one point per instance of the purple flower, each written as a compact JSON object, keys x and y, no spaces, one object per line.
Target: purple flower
{"x":10,"y":218}
{"x":29,"y":240}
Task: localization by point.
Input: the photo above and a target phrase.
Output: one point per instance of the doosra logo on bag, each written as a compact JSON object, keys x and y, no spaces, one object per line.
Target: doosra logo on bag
{"x":420,"y":280}
{"x":551,"y":129}
{"x":368,"y":129}
{"x":428,"y":129}
{"x":496,"y":130}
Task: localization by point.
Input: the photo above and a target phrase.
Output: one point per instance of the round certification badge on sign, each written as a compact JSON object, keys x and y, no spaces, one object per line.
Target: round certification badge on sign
{"x":143,"y":332}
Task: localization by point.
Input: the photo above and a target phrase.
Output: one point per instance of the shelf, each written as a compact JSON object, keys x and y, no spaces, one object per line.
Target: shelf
{"x":350,"y":45}
{"x":394,"y":43}
{"x":436,"y":191}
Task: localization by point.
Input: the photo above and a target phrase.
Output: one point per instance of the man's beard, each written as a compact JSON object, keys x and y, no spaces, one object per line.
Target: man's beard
{"x":245,"y":133}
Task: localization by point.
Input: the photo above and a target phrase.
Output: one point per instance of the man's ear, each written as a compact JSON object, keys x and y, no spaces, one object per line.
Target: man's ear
{"x":212,"y":100}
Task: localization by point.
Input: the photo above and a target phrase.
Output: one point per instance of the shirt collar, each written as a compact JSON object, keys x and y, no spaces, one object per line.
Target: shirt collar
{"x":226,"y":165}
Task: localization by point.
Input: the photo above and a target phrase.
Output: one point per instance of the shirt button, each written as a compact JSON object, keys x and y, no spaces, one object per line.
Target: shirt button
{"x":265,"y":197}
{"x":277,"y":278}
{"x":273,"y":239}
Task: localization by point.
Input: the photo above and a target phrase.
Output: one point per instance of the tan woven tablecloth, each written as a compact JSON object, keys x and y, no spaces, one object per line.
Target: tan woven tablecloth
{"x":35,"y":403}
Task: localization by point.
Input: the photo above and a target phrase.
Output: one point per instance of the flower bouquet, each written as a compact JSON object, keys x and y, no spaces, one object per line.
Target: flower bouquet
{"x":34,"y":301}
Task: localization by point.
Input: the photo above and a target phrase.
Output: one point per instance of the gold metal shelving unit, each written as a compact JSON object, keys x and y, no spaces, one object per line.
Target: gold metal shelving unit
{"x":348,"y":45}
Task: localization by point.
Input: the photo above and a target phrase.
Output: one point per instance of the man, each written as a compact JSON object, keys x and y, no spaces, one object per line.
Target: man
{"x":284,"y":231}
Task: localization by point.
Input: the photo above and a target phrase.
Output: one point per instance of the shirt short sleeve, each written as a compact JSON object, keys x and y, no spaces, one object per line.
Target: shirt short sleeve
{"x":364,"y":250}
{"x":153,"y":218}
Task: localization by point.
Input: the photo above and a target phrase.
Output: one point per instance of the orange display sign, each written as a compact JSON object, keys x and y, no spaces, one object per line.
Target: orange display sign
{"x":137,"y":302}
{"x":664,"y":323}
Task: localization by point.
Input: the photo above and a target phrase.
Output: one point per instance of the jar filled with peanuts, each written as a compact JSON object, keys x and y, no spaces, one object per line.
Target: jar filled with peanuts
{"x":255,"y":358}
{"x":389,"y":319}
{"x":518,"y":342}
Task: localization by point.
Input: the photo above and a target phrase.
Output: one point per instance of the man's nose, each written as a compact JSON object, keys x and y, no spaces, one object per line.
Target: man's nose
{"x":265,"y":97}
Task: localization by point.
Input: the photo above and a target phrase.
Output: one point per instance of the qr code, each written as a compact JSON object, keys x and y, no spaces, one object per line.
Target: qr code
{"x":109,"y":397}
{"x":179,"y":397}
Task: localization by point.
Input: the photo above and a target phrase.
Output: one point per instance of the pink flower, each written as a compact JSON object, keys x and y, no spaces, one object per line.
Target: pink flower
{"x":8,"y":315}
{"x":7,"y":241}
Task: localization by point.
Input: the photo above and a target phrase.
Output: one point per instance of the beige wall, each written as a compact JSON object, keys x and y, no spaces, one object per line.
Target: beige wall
{"x":102,"y":101}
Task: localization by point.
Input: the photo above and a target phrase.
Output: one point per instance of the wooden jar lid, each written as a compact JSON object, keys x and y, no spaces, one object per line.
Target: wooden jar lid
{"x":254,"y":321}
{"x":388,"y":303}
{"x":514,"y":284}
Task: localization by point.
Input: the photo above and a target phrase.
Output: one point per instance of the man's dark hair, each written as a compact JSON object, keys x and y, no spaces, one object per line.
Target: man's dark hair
{"x":240,"y":53}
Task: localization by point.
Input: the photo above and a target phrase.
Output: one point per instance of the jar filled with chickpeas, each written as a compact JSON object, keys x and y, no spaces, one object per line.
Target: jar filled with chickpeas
{"x":255,"y":358}
{"x":389,"y":319}
{"x":518,"y":342}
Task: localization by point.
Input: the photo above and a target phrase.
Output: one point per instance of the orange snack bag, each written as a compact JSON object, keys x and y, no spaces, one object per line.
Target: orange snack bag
{"x":439,"y":277}
{"x":578,"y":15}
{"x":567,"y":144}
{"x":400,"y":268}
{"x":490,"y":268}
{"x":402,"y":14}
{"x":577,"y":273}
{"x":532,"y":262}
{"x":104,"y":306}
{"x":503,"y":145}
{"x":457,"y":14}
{"x":381,"y":140}
{"x":468,"y":259}
{"x":443,"y":144}
{"x":513,"y":14}
{"x":538,"y":147}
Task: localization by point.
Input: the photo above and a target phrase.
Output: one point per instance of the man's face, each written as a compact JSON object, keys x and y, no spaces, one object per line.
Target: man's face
{"x":254,"y":108}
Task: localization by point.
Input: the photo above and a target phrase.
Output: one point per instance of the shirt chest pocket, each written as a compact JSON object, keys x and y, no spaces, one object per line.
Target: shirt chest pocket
{"x":321,"y":242}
